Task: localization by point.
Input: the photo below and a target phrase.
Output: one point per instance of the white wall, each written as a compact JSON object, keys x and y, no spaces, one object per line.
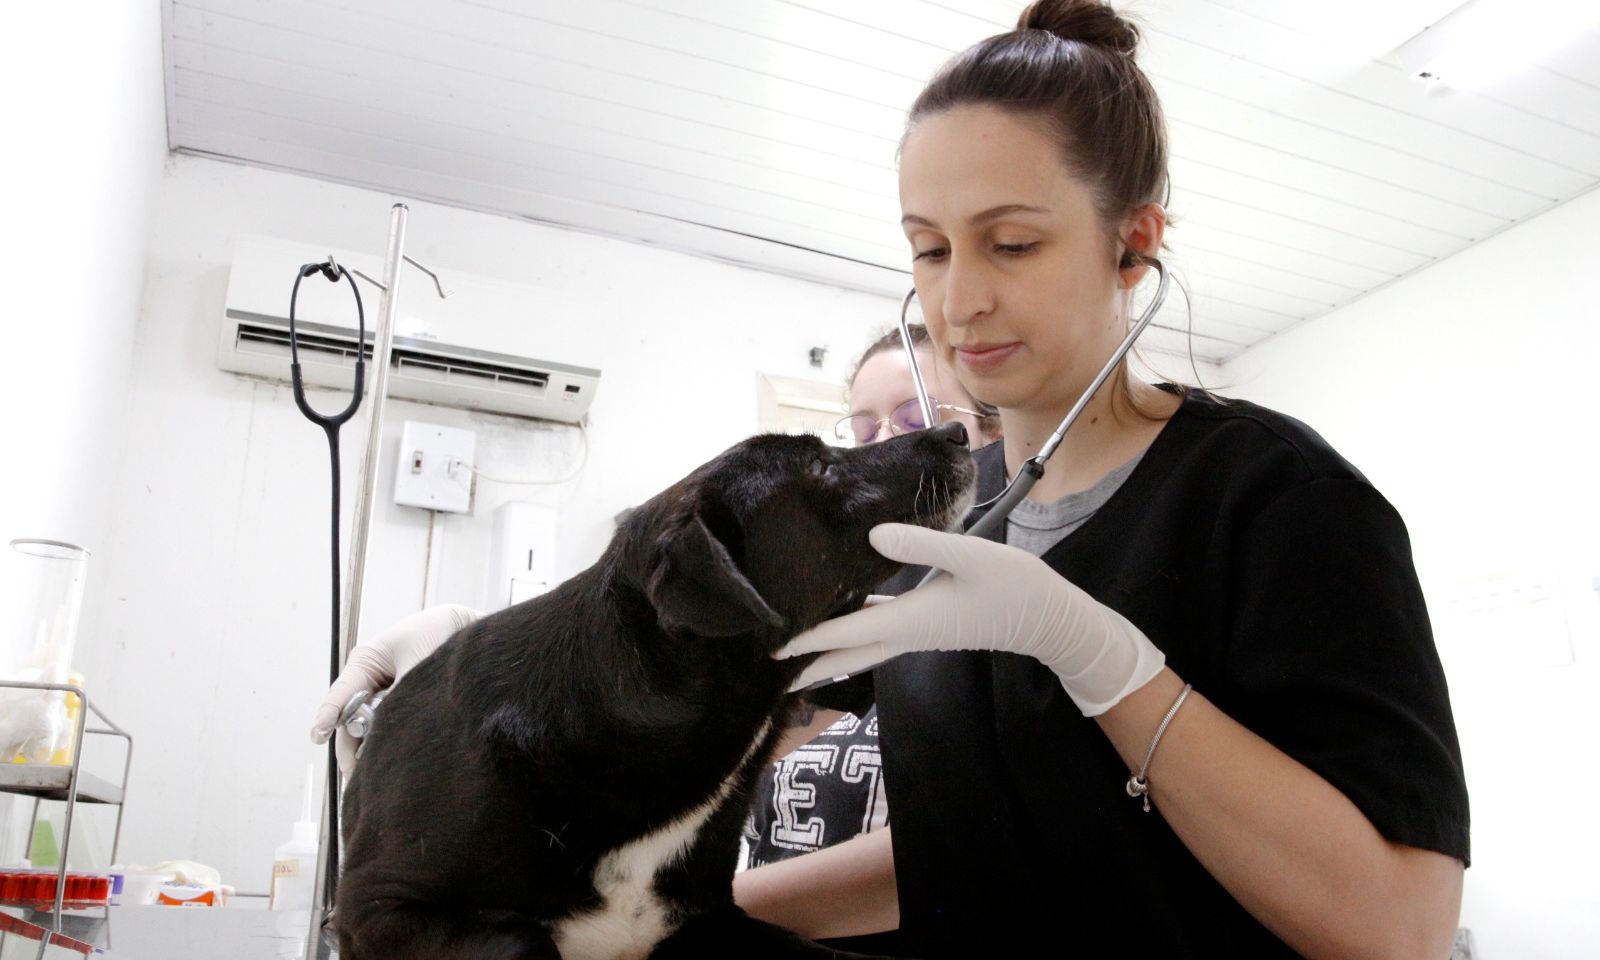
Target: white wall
{"x":85,"y":140}
{"x":1467,"y":395}
{"x":210,"y":637}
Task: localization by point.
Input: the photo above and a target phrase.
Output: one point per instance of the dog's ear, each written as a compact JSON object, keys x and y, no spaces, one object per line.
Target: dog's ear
{"x":697,"y":585}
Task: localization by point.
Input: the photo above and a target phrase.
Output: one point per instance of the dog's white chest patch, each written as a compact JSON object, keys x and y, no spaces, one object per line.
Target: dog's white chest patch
{"x":631,"y":919}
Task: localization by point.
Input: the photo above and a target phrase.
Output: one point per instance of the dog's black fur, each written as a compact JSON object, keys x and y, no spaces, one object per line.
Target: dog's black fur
{"x":504,"y":768}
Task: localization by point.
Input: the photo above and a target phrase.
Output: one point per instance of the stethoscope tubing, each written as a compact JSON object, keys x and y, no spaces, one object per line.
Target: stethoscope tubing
{"x":330,"y":423}
{"x":928,"y":413}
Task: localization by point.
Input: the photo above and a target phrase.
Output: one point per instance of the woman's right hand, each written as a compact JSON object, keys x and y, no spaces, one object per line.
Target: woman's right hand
{"x":377,"y":663}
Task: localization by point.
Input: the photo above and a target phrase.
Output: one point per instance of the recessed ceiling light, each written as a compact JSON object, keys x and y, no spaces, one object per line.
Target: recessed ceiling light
{"x":1482,"y":42}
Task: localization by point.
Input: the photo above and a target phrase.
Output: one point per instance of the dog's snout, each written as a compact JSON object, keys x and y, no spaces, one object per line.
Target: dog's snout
{"x":952,"y":432}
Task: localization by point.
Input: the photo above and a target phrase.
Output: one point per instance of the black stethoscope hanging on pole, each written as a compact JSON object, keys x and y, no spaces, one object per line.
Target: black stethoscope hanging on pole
{"x":330,"y":425}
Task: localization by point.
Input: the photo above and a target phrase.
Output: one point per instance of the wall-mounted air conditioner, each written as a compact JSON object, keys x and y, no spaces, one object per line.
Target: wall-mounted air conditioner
{"x":482,"y":348}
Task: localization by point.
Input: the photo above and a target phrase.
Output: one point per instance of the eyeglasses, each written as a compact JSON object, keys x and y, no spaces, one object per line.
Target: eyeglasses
{"x":860,"y":428}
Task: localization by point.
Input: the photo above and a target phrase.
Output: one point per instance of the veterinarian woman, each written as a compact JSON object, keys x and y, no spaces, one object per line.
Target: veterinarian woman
{"x":825,"y":787}
{"x":1224,"y":622}
{"x":1226,"y":606}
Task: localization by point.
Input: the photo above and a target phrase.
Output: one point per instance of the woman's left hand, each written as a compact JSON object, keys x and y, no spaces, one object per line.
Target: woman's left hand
{"x":379,"y":662}
{"x":990,"y":597}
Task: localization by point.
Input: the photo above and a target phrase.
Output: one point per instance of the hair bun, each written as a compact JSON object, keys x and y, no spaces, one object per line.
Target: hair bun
{"x":1085,"y":21}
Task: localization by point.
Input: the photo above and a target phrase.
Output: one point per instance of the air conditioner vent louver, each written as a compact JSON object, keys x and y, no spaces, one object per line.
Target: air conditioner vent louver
{"x":404,"y":360}
{"x":277,"y":341}
{"x":409,"y":361}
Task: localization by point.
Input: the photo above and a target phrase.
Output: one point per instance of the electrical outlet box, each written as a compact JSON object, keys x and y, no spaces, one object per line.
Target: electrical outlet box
{"x":435,"y":468}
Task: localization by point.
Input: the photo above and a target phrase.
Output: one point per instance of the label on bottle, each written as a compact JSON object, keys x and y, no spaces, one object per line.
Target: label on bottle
{"x":206,"y":899}
{"x":286,"y":868}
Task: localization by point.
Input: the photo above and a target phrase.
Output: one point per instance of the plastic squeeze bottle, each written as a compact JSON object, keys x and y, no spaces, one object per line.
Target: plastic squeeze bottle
{"x":294,"y":864}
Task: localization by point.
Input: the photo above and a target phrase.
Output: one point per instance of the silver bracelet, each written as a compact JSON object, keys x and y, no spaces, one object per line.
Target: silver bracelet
{"x":1138,"y":786}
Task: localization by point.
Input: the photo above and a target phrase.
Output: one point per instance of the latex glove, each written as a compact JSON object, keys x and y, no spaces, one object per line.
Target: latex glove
{"x":991,"y":597}
{"x":377,"y":663}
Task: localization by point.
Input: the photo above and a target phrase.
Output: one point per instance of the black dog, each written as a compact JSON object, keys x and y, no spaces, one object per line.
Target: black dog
{"x":567,"y":778}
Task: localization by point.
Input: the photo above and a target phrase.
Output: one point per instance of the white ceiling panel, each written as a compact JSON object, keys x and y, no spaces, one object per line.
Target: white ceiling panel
{"x":1308,"y":169}
{"x":593,"y":179}
{"x":1575,"y":62}
{"x":600,"y":156}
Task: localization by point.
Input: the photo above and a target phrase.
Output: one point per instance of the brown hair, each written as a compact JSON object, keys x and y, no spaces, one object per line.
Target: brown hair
{"x":1069,"y":64}
{"x":988,"y":414}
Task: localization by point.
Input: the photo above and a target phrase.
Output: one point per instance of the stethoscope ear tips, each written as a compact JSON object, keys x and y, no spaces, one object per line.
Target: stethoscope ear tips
{"x":330,"y":269}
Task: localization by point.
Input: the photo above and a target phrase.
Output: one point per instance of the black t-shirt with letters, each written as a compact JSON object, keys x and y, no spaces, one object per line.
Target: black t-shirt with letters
{"x":825,"y":792}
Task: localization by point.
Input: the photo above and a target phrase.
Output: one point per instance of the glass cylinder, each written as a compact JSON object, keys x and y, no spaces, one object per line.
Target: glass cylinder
{"x":44,"y":594}
{"x":41,"y":595}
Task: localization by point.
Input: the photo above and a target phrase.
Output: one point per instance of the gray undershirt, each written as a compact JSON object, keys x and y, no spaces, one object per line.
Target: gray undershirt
{"x":1036,"y":527}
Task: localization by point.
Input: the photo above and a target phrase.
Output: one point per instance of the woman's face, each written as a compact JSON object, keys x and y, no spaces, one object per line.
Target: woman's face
{"x":884,"y":382}
{"x":1016,"y":274}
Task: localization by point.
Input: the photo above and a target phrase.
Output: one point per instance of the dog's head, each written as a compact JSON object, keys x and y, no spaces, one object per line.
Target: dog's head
{"x":770,"y":538}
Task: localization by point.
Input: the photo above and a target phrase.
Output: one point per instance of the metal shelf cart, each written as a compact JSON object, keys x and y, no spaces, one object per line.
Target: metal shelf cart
{"x":68,"y":782}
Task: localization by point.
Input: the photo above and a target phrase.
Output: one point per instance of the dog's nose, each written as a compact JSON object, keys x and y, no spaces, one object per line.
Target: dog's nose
{"x":952,"y":432}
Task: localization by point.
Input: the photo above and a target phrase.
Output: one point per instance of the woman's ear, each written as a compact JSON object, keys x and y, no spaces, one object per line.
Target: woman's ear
{"x":1140,"y":237}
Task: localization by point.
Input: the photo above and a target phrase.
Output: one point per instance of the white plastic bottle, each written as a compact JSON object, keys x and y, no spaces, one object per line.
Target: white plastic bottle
{"x":294,"y":864}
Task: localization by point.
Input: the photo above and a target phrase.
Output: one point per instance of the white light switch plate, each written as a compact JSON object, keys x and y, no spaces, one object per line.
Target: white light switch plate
{"x":435,"y":468}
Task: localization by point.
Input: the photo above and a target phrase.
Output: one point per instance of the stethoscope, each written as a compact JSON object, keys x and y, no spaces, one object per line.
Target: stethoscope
{"x":330,"y":424}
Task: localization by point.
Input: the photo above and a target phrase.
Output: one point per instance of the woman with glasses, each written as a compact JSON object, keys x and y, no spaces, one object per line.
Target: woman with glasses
{"x":883,"y":399}
{"x":825,"y":792}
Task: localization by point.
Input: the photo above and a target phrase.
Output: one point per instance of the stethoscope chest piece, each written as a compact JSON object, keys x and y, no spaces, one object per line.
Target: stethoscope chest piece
{"x":359,"y":713}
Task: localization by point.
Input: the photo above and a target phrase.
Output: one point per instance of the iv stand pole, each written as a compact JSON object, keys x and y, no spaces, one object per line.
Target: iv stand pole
{"x":326,"y":880}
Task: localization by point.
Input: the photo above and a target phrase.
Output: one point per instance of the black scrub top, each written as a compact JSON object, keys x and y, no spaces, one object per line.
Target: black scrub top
{"x":1279,"y":583}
